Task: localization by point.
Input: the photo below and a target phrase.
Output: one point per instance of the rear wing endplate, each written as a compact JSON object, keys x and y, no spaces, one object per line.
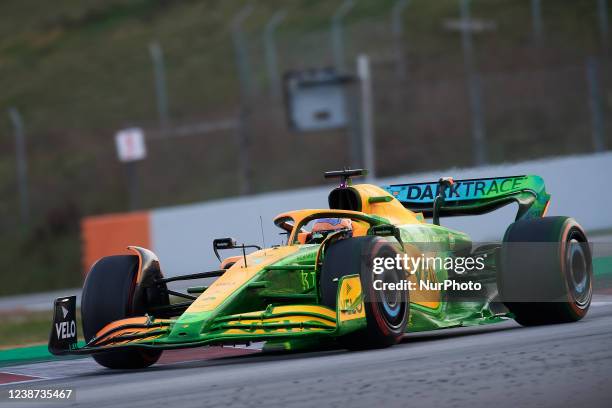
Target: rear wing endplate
{"x":476,"y":196}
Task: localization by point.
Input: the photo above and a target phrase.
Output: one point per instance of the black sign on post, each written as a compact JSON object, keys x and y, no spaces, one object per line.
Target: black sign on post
{"x":315,"y":99}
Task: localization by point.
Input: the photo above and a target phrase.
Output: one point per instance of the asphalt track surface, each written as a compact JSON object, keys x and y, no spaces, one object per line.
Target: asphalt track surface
{"x":501,"y":365}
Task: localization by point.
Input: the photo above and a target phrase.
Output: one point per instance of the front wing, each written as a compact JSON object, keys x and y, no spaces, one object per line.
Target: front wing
{"x":280,"y":323}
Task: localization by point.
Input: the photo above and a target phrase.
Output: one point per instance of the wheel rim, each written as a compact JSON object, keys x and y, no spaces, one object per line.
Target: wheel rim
{"x":578,"y":276}
{"x":391,"y":305}
{"x":391,"y":300}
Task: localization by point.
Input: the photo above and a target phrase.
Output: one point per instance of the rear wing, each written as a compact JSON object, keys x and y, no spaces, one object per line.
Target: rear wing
{"x":476,"y":196}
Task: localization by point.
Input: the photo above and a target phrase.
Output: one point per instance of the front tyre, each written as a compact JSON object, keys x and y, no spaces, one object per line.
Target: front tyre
{"x":386,"y":311}
{"x":108,"y":296}
{"x":546,"y":271}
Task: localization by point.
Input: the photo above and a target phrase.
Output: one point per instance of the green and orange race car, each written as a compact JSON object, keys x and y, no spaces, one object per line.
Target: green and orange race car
{"x":342,"y":277}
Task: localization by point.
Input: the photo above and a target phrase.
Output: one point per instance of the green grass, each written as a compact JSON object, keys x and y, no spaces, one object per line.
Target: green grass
{"x":40,"y":261}
{"x":25,"y":328}
{"x":24,"y":336}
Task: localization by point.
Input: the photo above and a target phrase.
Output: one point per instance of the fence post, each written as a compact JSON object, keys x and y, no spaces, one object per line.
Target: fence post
{"x":270,"y":51}
{"x":244,"y":77}
{"x":474,"y":87}
{"x":22,"y":165}
{"x":157,"y":57}
{"x":595,"y":102}
{"x":604,"y":27}
{"x":337,"y":33}
{"x":397,"y":28}
{"x":240,"y":49}
{"x":367,"y":116}
{"x":536,"y":21}
{"x":133,"y":185}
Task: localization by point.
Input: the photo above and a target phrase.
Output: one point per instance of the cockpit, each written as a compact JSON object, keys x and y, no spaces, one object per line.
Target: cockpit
{"x":313,"y":226}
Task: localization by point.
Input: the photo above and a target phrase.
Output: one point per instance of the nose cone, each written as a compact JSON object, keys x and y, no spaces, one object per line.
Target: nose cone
{"x":189,"y":327}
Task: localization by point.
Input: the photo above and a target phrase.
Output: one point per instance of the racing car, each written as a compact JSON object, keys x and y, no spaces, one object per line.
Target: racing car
{"x":320,"y":288}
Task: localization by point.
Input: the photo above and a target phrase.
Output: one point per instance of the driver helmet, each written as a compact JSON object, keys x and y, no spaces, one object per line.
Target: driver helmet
{"x":325,"y":226}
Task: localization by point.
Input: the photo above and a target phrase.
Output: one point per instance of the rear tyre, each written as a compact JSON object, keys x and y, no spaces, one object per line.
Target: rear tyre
{"x":386,"y":311}
{"x":546,"y":271}
{"x":108,"y":296}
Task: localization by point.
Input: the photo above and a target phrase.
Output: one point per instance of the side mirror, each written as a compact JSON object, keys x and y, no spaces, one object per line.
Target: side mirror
{"x":224,"y":243}
{"x":221,"y":244}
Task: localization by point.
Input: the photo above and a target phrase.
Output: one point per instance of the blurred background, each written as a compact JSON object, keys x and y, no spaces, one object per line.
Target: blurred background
{"x":454,"y":83}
